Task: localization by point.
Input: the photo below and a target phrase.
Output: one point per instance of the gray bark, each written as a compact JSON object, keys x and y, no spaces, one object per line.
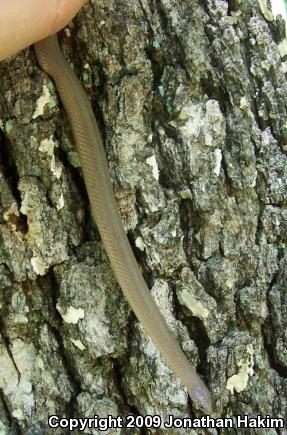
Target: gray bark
{"x":191,"y":101}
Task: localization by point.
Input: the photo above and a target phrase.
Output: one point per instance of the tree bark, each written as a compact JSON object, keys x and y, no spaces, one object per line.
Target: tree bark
{"x":191,"y":100}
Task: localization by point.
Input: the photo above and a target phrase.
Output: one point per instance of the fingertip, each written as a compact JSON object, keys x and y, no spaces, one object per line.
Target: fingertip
{"x":24,"y":22}
{"x":62,"y":13}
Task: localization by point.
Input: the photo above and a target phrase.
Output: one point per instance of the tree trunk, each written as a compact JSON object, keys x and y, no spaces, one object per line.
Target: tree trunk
{"x":191,"y":101}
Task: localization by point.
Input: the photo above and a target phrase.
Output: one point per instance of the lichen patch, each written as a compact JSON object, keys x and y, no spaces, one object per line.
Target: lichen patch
{"x":42,"y":101}
{"x":38,"y":265}
{"x":197,"y":309}
{"x":151,"y":161}
{"x":48,"y":146}
{"x":71,"y":314}
{"x":78,"y":344}
{"x":239,"y":381}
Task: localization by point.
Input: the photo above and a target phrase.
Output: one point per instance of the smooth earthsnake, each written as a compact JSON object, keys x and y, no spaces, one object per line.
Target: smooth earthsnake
{"x":106,"y":215}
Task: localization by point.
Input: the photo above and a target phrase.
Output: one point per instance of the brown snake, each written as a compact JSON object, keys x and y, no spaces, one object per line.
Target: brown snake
{"x":106,"y":215}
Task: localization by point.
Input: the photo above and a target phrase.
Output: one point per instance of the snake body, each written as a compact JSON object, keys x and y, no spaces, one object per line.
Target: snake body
{"x":106,"y":215}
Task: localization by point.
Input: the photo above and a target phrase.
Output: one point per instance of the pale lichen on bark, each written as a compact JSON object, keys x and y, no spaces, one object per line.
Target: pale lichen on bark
{"x":191,"y":100}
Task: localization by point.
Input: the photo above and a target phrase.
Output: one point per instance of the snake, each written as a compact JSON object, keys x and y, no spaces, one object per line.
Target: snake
{"x":104,"y":210}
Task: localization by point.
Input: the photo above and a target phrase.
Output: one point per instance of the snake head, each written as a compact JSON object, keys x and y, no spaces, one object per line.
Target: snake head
{"x":202,"y":399}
